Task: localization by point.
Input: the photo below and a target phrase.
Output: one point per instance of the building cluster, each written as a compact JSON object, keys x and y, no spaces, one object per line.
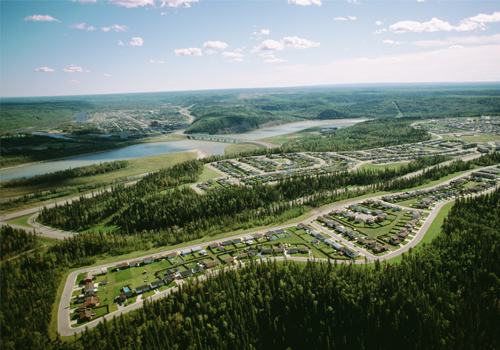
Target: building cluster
{"x":483,"y":124}
{"x":89,"y":296}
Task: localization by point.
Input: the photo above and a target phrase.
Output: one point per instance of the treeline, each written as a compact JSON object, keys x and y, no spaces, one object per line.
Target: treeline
{"x":63,"y":175}
{"x":15,"y":241}
{"x":216,"y":211}
{"x":369,"y":134}
{"x":235,"y":120}
{"x":86,"y":212}
{"x":443,"y":296}
{"x":439,"y":172}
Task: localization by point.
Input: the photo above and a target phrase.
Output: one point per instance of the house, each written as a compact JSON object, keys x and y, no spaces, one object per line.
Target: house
{"x":279,"y":250}
{"x":225,"y":243}
{"x":304,"y":249}
{"x":380,"y":249}
{"x":103,"y":282}
{"x":104,"y":271}
{"x":236,"y":240}
{"x":156,"y":284}
{"x":350,"y":253}
{"x":395,"y":240}
{"x":221,"y":248}
{"x":369,"y":221}
{"x":186,"y":273}
{"x":85,"y":315}
{"x":358,"y":220}
{"x":371,"y":244}
{"x":168,"y":279}
{"x":134,"y":263}
{"x":293,"y":250}
{"x":242,"y":256}
{"x":258,"y":235}
{"x":320,"y":236}
{"x":213,"y":246}
{"x":90,"y":303}
{"x":149,"y":260}
{"x":361,"y":240}
{"x":90,"y":289}
{"x":252,"y":253}
{"x":88,"y":278}
{"x":122,"y":266}
{"x":142,"y":289}
{"x":229,"y":260}
{"x":249,"y":242}
{"x":185,"y":252}
{"x":203,"y":252}
{"x":172,"y":255}
{"x":196,"y":249}
{"x":124,"y":296}
{"x":81,"y":297}
{"x":301,"y":226}
{"x":209,"y":264}
{"x":267,"y":251}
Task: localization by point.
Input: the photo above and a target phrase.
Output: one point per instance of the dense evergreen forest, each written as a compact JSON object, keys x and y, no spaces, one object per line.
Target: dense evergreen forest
{"x":143,"y":207}
{"x":62,"y":175}
{"x":443,"y":295}
{"x":15,"y":241}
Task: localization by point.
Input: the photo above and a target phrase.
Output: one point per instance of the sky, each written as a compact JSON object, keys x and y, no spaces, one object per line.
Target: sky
{"x":53,"y":48}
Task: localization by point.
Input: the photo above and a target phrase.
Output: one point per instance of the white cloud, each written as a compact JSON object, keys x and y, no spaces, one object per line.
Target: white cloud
{"x":135,"y":41}
{"x":379,"y":31}
{"x":73,"y":81}
{"x":238,"y":59}
{"x":353,"y":2}
{"x":378,"y":23}
{"x":262,"y":32}
{"x":41,"y":18}
{"x":340,"y":19}
{"x":73,"y":68}
{"x":293,"y":42}
{"x":391,"y":42}
{"x":44,"y":69}
{"x":88,"y":71}
{"x":420,"y":0}
{"x":484,"y":18}
{"x":270,"y":45}
{"x":176,"y":3}
{"x":352,"y":18}
{"x":192,"y":51}
{"x":107,"y":75}
{"x":161,"y":62}
{"x":152,"y":61}
{"x":434,"y":25}
{"x":211,"y":47}
{"x":467,"y":40}
{"x":274,"y":60}
{"x":115,"y":27}
{"x":132,"y":3}
{"x":305,"y":2}
{"x":266,"y":55}
{"x":231,"y":54}
{"x":456,"y":47}
{"x":85,"y":1}
{"x":238,"y":50}
{"x":77,"y":26}
{"x":91,"y":29}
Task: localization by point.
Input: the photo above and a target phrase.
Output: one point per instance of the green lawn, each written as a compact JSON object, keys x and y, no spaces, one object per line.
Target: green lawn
{"x":242,"y":147}
{"x":392,"y":166}
{"x":123,"y":275}
{"x":23,"y":220}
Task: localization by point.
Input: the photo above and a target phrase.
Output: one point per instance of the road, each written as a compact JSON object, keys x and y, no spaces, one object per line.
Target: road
{"x":64,"y":313}
{"x":184,"y":111}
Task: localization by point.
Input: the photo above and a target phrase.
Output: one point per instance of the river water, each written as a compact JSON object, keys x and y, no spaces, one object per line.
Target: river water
{"x":157,"y":148}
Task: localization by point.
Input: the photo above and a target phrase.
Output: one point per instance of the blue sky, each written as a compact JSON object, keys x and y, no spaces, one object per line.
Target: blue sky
{"x":51,"y":48}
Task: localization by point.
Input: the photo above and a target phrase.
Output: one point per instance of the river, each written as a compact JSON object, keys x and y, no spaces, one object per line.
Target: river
{"x":157,"y":148}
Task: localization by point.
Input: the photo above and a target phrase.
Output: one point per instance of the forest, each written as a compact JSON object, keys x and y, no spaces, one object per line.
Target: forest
{"x":240,"y":110}
{"x":442,"y":295}
{"x":62,"y":175}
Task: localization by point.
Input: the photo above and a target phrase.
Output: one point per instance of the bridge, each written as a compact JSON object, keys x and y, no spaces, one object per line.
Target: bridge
{"x":215,"y":138}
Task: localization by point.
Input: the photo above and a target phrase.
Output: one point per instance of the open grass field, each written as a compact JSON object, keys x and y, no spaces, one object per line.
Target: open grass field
{"x":137,"y":167}
{"x":480,"y":138}
{"x":391,"y":166}
{"x":22,"y":221}
{"x":242,"y":147}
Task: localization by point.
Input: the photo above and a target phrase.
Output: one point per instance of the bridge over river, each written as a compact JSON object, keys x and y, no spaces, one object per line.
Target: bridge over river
{"x":215,"y":138}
